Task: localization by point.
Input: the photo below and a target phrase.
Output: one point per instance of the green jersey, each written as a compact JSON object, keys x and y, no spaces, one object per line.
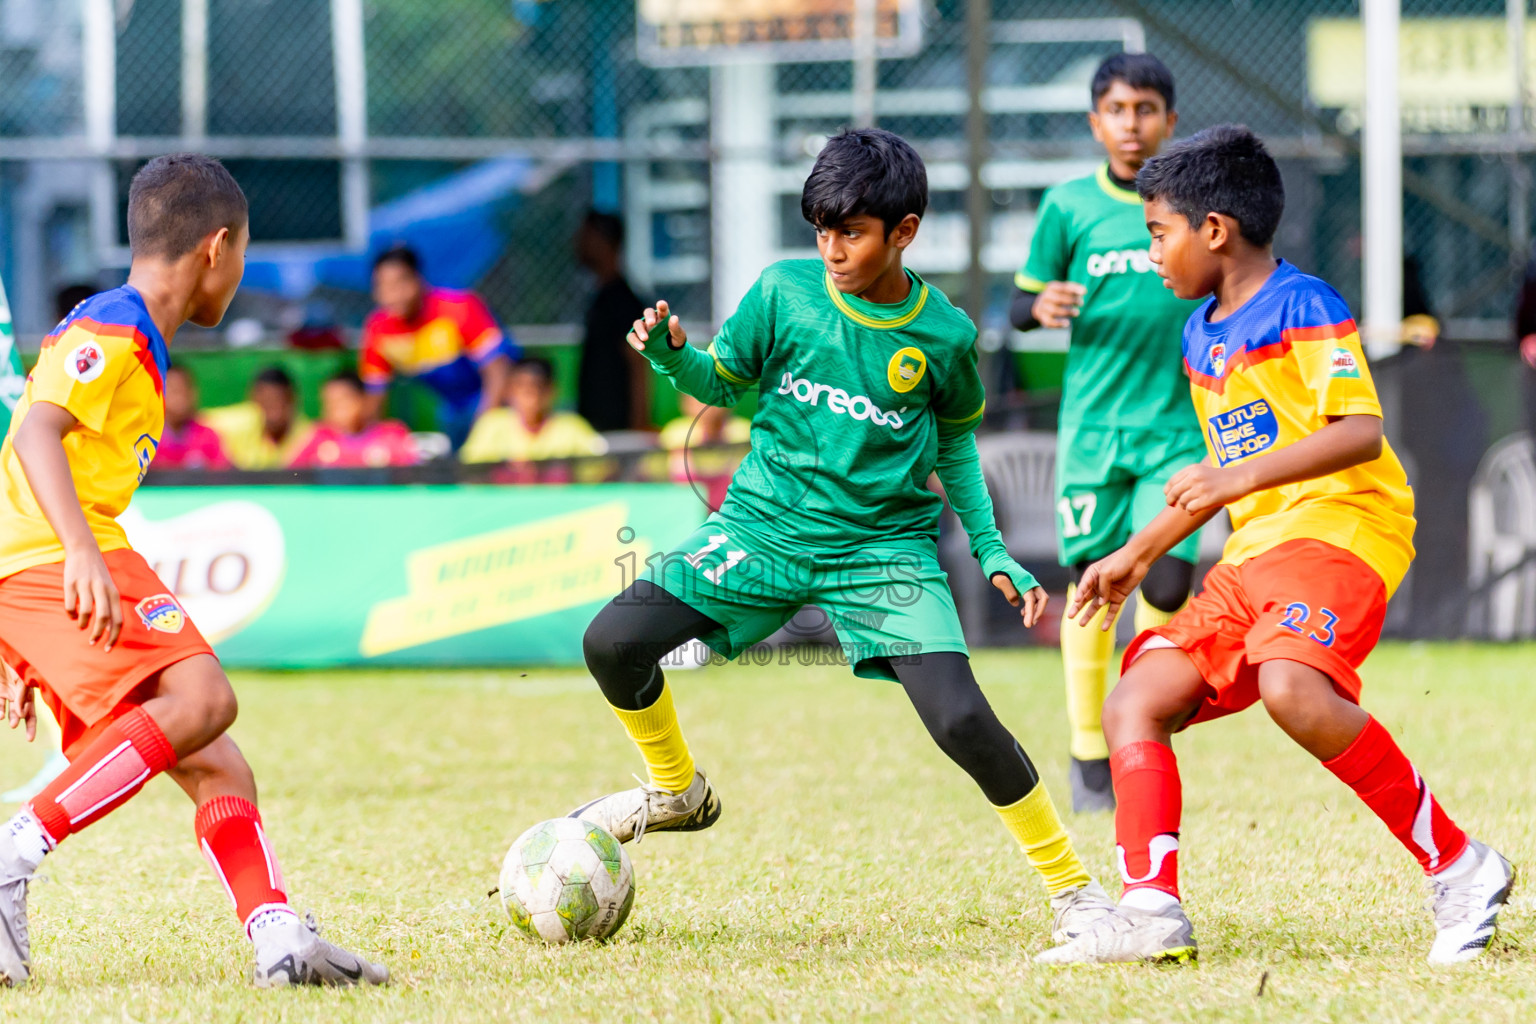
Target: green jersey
{"x":854,"y":397}
{"x":12,"y":380}
{"x":1125,"y":365}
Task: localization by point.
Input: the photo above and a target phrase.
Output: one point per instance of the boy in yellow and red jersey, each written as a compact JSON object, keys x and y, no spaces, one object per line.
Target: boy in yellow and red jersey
{"x":1323,"y":534}
{"x":83,"y":618}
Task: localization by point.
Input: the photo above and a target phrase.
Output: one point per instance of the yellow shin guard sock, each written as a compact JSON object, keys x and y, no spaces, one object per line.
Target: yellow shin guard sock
{"x":1034,"y":823}
{"x":1085,"y":654}
{"x":660,"y":739}
{"x":1148,"y":617}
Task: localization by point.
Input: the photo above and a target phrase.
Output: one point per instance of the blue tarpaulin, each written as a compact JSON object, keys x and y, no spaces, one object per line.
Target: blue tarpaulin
{"x":452,"y":224}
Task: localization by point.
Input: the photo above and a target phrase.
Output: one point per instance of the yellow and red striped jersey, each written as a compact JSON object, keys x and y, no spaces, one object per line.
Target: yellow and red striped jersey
{"x":1268,"y":375}
{"x":106,"y":365}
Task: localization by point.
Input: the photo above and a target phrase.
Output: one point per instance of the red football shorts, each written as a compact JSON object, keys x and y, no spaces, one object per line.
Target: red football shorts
{"x":1303,"y":601}
{"x":85,"y":686}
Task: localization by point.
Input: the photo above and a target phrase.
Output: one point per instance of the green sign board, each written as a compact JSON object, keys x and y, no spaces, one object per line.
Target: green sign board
{"x":293,"y":577}
{"x":12,"y":380}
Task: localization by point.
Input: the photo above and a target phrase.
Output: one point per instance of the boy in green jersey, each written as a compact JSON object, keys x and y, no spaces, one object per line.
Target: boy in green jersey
{"x":867,"y":384}
{"x":1126,"y":422}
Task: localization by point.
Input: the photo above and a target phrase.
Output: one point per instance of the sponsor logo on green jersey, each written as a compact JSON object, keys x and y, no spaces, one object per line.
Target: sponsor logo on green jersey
{"x":860,"y":407}
{"x":1120,"y":261}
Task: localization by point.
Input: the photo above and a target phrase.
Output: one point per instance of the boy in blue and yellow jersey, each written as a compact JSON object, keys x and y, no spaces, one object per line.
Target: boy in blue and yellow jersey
{"x":135,"y":688}
{"x":867,"y":385}
{"x":1323,"y":534}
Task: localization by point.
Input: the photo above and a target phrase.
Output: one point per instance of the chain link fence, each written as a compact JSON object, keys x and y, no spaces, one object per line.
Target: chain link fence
{"x":338,"y":114}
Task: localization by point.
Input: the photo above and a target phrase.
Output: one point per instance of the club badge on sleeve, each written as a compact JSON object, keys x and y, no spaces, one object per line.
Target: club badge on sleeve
{"x":85,"y":362}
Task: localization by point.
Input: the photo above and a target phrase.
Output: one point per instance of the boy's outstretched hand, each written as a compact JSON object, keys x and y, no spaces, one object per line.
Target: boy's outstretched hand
{"x":16,"y":702}
{"x":656,"y":328}
{"x":1108,"y":582}
{"x":1202,"y":487}
{"x":1031,"y":604}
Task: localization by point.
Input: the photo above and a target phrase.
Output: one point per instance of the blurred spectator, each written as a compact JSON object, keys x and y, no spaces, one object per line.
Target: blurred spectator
{"x":344,"y":438}
{"x":689,"y":439}
{"x":314,"y":327}
{"x":70,"y":296}
{"x":266,"y":431}
{"x":613,"y":386}
{"x":529,"y":429}
{"x":699,"y":424}
{"x":186,"y":442}
{"x":445,"y":339}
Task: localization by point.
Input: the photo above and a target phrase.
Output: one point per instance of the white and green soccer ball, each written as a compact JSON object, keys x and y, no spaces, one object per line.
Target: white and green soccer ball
{"x":567,"y":879}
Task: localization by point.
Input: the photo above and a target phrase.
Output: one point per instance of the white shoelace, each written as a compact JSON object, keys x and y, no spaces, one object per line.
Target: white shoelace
{"x":1453,"y":904}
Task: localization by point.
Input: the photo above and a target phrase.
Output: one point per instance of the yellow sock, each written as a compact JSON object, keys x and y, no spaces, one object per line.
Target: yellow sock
{"x":1035,"y":824}
{"x":660,"y":739}
{"x":1148,"y":617}
{"x":1085,"y":654}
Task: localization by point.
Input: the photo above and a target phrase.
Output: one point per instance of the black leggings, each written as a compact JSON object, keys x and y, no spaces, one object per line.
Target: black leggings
{"x":634,"y":631}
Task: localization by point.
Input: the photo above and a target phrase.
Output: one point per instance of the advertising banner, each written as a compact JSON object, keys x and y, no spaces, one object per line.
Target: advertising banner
{"x":290,"y":577}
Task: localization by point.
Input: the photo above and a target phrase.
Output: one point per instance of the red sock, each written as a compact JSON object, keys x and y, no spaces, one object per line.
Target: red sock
{"x":229,"y":831}
{"x":127,"y":754}
{"x":1381,"y":775}
{"x":1149,"y":800}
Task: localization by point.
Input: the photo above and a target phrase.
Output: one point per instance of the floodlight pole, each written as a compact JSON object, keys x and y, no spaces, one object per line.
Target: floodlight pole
{"x":98,"y":50}
{"x":351,"y":73}
{"x":1519,"y":172}
{"x":1381,"y":180}
{"x":194,"y":73}
{"x":978,"y":17}
{"x":865,"y":66}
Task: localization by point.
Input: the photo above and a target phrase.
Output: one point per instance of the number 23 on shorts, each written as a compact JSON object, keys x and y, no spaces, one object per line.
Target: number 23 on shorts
{"x":1298,"y":619}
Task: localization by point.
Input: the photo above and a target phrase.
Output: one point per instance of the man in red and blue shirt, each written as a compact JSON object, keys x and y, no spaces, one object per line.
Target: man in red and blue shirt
{"x":445,"y":339}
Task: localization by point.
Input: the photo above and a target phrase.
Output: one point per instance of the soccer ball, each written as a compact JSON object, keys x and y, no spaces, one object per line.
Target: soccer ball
{"x":567,"y":879}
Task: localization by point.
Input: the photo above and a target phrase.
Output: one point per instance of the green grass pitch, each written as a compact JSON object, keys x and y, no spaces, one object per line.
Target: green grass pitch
{"x":855,"y":873}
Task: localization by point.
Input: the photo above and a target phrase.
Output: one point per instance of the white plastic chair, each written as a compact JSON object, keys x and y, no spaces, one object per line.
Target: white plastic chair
{"x":1501,"y":532}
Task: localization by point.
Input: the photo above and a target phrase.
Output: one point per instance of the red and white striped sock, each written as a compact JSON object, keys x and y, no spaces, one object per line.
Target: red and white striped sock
{"x":230,"y":834}
{"x":127,"y":754}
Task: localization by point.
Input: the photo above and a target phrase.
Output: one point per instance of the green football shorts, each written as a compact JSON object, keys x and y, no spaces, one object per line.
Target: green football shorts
{"x":885,"y":601}
{"x":1109,"y":484}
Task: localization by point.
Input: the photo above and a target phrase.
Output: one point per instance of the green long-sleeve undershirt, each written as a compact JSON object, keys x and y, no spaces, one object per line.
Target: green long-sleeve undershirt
{"x":959,"y":470}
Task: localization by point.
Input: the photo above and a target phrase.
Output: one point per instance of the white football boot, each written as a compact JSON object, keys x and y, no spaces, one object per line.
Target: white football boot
{"x":1078,"y":910}
{"x":15,"y":944}
{"x":1466,"y":899}
{"x":1129,"y":935}
{"x":631,"y":813}
{"x":291,"y":952}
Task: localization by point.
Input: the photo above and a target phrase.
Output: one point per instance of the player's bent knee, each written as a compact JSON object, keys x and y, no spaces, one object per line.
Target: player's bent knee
{"x":1294,"y":693}
{"x":968,"y":729}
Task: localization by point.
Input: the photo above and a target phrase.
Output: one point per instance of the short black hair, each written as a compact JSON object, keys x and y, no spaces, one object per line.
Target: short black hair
{"x":538,"y":365}
{"x":176,"y":201}
{"x":607,"y":226}
{"x":347,"y":377}
{"x":275,"y":376}
{"x":865,"y":171}
{"x":1137,"y":70}
{"x":182,"y":369}
{"x":401,"y":254}
{"x":1224,"y":169}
